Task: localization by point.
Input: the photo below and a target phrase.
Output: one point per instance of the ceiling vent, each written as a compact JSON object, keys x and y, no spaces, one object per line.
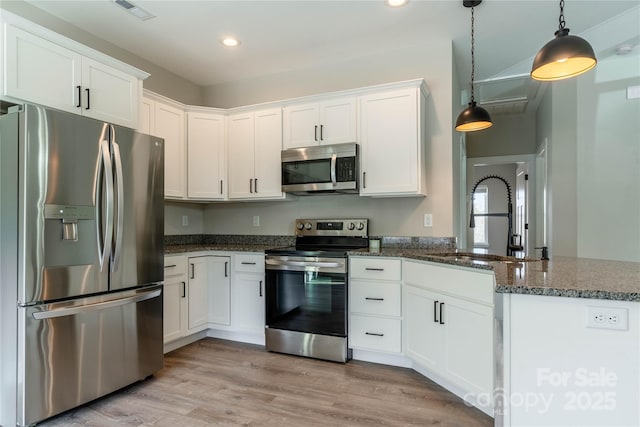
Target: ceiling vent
{"x":134,"y":9}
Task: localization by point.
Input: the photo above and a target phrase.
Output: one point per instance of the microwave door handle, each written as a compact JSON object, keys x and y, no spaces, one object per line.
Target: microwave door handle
{"x":334,"y":157}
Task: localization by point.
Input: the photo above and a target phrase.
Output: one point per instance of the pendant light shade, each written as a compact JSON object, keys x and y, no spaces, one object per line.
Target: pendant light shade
{"x":473,"y":117}
{"x":563,"y":57}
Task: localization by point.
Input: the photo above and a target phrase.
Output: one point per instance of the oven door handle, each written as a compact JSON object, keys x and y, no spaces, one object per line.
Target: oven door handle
{"x":316,"y":264}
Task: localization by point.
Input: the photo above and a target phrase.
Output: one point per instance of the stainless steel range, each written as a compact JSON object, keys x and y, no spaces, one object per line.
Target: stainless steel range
{"x":306,"y":289}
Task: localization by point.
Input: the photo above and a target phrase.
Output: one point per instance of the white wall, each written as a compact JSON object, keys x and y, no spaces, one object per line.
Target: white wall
{"x":431,"y":60}
{"x":509,"y":135}
{"x":173,"y":216}
{"x":594,"y":162}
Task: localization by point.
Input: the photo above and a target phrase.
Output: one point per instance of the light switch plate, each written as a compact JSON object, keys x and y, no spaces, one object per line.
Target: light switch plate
{"x":428,"y":220}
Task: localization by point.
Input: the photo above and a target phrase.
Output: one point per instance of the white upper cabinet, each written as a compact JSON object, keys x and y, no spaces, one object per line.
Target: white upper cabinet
{"x":166,"y":120}
{"x":206,"y":156}
{"x":392,"y":138}
{"x":254,"y":142}
{"x":328,"y":122}
{"x":46,"y":68}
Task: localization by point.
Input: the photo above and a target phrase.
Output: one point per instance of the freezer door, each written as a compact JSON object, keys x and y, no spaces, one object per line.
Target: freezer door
{"x":73,"y":352}
{"x":63,"y":235}
{"x":138,"y":242}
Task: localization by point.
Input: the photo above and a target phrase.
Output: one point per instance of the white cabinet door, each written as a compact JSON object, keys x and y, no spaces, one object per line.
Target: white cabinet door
{"x":240,"y":139}
{"x":327,"y":122}
{"x":254,"y":142}
{"x":248,"y":305}
{"x":147,"y":117}
{"x":206,"y":156}
{"x":300,"y":126}
{"x":200,"y":275}
{"x":390,"y":143}
{"x":219,"y":290}
{"x":40,"y":71}
{"x":424,"y":336}
{"x":109,"y":94}
{"x":468,"y":344}
{"x":338,"y":121}
{"x":169,"y":124}
{"x":267,"y":148}
{"x":174,"y":309}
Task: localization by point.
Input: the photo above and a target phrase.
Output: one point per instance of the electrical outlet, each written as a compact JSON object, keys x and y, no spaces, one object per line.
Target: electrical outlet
{"x":428,"y":220}
{"x":608,"y":318}
{"x":256,"y":221}
{"x":185,"y":220}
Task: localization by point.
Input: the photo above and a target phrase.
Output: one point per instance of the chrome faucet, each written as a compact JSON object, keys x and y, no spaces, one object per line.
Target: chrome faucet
{"x":511,"y":247}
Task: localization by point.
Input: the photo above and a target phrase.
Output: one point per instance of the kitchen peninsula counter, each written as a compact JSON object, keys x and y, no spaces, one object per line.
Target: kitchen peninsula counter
{"x":560,"y":276}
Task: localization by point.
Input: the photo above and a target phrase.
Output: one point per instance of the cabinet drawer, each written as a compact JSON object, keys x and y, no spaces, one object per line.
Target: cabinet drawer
{"x":377,"y":334}
{"x":248,"y":263}
{"x":375,"y":298}
{"x":175,"y":265}
{"x":376,"y":268}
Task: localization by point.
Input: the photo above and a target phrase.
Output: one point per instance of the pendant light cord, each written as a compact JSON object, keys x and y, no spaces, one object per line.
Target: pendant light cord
{"x":473,"y":58}
{"x":561,"y":22}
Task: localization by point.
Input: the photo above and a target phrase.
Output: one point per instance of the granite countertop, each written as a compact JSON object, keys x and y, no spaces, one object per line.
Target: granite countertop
{"x":560,"y":276}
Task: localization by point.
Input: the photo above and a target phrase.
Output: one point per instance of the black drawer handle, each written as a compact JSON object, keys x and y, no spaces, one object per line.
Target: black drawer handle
{"x":184,"y":290}
{"x":247,"y":263}
{"x":170,"y":266}
{"x":441,"y":318}
{"x":79,"y":96}
{"x":260,"y":287}
{"x":226,"y":265}
{"x":374,"y":269}
{"x":193,"y":271}
{"x":88,"y":99}
{"x":435,"y":312}
{"x":374,"y":334}
{"x":374,"y":299}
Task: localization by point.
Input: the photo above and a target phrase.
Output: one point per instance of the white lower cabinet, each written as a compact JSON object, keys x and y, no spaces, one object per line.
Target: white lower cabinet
{"x":248,"y":306}
{"x":449,"y":321}
{"x":375,"y":322}
{"x":174,"y":298}
{"x":209,"y":292}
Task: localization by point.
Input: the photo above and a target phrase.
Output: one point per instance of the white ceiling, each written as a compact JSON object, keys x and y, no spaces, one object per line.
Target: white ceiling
{"x":279,"y":36}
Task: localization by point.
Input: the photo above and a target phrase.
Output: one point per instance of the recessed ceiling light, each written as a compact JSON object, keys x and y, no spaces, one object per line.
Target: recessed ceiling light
{"x":230,"y":42}
{"x":396,"y":3}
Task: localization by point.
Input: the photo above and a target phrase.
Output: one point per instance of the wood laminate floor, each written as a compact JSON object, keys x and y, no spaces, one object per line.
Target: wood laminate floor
{"x":217,"y":382}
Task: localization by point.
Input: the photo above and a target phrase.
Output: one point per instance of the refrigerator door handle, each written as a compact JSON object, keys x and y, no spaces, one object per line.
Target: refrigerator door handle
{"x":70,"y":311}
{"x":105,"y":172}
{"x":119,"y":228}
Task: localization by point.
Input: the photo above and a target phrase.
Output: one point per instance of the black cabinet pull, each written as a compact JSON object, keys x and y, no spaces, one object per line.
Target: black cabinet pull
{"x":315,"y":132}
{"x":374,"y":269}
{"x":184,"y":289}
{"x":170,"y":266}
{"x":226,"y":264}
{"x":321,"y":138}
{"x":374,"y":299}
{"x":247,"y":263}
{"x":79,"y":96}
{"x":374,"y":334}
{"x":251,"y":185}
{"x":220,"y":186}
{"x":255,"y":185}
{"x":364,"y":180}
{"x":88,"y":98}
{"x":441,"y":319}
{"x":260,"y":287}
{"x":435,"y":312}
{"x":193,"y":271}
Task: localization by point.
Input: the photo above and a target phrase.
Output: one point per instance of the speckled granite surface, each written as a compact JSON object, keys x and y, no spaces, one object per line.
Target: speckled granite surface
{"x":561,"y":276}
{"x":218,"y":242}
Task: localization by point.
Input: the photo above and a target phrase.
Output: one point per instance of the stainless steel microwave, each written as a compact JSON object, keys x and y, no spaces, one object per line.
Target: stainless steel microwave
{"x":320,"y":169}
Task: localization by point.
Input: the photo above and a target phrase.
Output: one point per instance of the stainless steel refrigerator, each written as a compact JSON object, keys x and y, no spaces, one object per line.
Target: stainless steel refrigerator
{"x":81,"y":258}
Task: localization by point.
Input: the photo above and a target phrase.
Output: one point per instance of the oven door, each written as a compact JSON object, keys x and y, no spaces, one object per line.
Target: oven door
{"x":306,"y":295}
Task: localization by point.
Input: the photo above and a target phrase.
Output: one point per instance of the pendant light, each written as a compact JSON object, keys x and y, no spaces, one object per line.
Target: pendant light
{"x":563,"y":57}
{"x":473,"y":117}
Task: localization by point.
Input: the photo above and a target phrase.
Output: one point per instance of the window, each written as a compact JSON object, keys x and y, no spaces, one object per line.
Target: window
{"x":481,"y":205}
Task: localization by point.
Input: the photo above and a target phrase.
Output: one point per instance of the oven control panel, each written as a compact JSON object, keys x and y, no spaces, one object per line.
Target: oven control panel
{"x":332,"y":227}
